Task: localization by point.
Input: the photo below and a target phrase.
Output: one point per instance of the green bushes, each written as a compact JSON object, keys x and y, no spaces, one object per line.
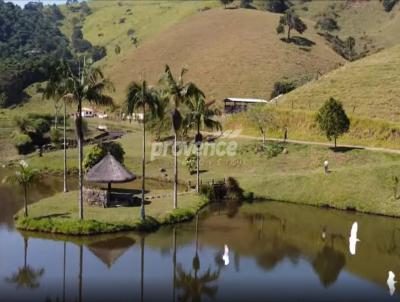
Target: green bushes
{"x":389,"y":4}
{"x":23,"y":143}
{"x":282,"y":87}
{"x":97,"y":153}
{"x":327,"y":24}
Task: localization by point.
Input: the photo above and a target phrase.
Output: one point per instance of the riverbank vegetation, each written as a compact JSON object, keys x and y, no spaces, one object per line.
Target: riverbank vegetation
{"x":57,"y":214}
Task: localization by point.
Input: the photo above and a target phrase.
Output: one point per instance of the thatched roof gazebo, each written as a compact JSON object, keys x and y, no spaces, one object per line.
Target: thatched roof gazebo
{"x":109,"y":171}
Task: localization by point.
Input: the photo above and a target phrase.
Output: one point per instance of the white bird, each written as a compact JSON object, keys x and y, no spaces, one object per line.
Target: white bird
{"x":225,"y":257}
{"x":353,"y":238}
{"x":391,"y":282}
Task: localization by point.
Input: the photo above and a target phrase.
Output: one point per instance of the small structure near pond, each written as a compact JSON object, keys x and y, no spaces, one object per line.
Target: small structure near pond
{"x":109,"y":171}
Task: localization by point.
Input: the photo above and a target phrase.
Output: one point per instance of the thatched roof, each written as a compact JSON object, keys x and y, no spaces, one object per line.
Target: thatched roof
{"x":109,"y":170}
{"x":108,"y":251}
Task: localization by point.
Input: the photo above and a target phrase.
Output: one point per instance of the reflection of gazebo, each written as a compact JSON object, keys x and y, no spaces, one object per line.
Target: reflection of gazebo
{"x":108,"y":251}
{"x":109,"y":170}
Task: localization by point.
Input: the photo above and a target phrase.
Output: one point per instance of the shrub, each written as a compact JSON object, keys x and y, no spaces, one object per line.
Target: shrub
{"x":282,"y":87}
{"x":389,"y":4}
{"x":55,"y":136}
{"x":276,"y":6}
{"x":191,"y":163}
{"x":233,"y":190}
{"x":97,"y":153}
{"x":3,"y":100}
{"x":327,"y":24}
{"x":273,"y":149}
{"x":98,"y":52}
{"x":23,"y":143}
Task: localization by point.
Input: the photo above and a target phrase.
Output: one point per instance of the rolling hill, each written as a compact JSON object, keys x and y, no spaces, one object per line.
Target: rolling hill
{"x":228,"y":53}
{"x":369,"y":87}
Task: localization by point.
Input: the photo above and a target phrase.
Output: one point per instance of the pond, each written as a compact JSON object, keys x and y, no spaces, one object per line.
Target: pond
{"x":274,"y":252}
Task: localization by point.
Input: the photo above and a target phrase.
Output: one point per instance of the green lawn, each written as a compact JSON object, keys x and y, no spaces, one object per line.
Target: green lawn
{"x":359,"y":179}
{"x":59,"y":214}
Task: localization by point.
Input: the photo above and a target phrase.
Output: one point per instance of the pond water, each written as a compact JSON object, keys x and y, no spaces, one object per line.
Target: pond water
{"x":276,"y":252}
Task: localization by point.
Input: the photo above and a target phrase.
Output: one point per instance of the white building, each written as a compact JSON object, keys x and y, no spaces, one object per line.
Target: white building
{"x":88,"y":112}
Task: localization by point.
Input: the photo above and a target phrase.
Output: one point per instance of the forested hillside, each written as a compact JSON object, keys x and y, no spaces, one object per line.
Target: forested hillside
{"x":29,"y":42}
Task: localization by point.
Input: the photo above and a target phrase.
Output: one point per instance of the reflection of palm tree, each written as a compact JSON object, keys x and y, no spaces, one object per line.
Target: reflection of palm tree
{"x":194,"y":286}
{"x":80,"y":272}
{"x":26,"y":276}
{"x":141,"y":267}
{"x":328,"y":265}
{"x":174,"y":262}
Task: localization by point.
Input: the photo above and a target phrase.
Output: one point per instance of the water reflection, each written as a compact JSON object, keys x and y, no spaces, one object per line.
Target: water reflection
{"x":391,"y":283}
{"x":272,"y":247}
{"x":353,"y":238}
{"x":26,"y":276}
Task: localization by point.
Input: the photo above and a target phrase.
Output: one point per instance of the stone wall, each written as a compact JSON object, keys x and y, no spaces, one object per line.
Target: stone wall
{"x":95,"y":197}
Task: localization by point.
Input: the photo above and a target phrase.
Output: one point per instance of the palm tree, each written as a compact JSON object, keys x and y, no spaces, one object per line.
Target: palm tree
{"x":26,"y":276}
{"x":25,"y":177}
{"x":88,"y":85}
{"x":178,"y":93}
{"x":140,"y":97}
{"x":55,"y":89}
{"x":200,"y":117}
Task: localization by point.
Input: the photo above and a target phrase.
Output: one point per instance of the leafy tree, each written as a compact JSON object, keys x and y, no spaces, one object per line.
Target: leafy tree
{"x":246,"y":3}
{"x":292,"y":21}
{"x":29,"y":42}
{"x":262,"y":119}
{"x":327,"y":24}
{"x":141,"y":97}
{"x":389,"y":4}
{"x":24,"y":176}
{"x":225,"y":2}
{"x":190,"y":163}
{"x":332,"y":119}
{"x":23,"y":143}
{"x":200,"y":116}
{"x":97,"y":153}
{"x":178,"y":93}
{"x":282,"y":87}
{"x":276,"y":6}
{"x":350,"y":44}
{"x":88,"y":85}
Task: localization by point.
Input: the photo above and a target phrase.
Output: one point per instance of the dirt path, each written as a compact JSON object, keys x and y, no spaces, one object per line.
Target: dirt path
{"x":230,"y":134}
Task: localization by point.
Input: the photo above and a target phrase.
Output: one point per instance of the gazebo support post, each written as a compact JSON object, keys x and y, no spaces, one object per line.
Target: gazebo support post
{"x":108,"y":195}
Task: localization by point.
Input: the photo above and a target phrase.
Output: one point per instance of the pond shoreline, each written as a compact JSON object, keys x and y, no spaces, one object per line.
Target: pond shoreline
{"x":62,"y":223}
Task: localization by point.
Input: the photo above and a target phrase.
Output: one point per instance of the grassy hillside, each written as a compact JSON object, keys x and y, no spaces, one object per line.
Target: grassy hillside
{"x":369,"y":87}
{"x":109,"y":22}
{"x":228,"y":53}
{"x":367,"y":21}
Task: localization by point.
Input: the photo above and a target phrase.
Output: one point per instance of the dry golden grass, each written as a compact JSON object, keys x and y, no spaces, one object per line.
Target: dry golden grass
{"x":369,"y":87}
{"x":228,"y":53}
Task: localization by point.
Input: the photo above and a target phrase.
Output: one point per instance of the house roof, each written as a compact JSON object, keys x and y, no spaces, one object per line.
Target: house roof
{"x":109,"y":170}
{"x":240,"y":100}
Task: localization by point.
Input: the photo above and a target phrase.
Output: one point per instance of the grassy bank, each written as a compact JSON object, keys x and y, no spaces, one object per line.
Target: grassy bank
{"x":58,"y":214}
{"x":301,"y":126}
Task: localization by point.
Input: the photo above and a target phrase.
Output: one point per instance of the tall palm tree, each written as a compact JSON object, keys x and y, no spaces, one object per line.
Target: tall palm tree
{"x":88,"y":85}
{"x":140,"y":97}
{"x":179,"y":93}
{"x":200,"y":116}
{"x":56,"y":89}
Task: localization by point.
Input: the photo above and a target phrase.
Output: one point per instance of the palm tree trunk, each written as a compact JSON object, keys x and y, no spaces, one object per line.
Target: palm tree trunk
{"x":65,"y":149}
{"x":80,"y":158}
{"x":288,"y":33}
{"x":142,"y":210}
{"x":175,"y":171}
{"x":335,"y":142}
{"x":25,"y":202}
{"x":198,"y":169}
